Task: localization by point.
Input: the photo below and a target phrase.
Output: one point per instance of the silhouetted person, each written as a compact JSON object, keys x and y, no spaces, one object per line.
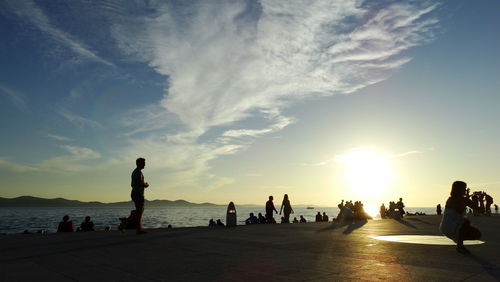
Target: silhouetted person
{"x":262,"y":219}
{"x":295,"y":220}
{"x":489,"y":202}
{"x":66,"y":225}
{"x":87,"y":225}
{"x":269,"y":210}
{"x":137,"y":195}
{"x":438,"y":209}
{"x":496,"y":208}
{"x":325,"y":217}
{"x":383,"y":211}
{"x":319,"y":218}
{"x":453,"y":224}
{"x":219,"y":223}
{"x":252,"y":219}
{"x":287,"y":208}
{"x":302,"y":219}
{"x":212,"y":223}
{"x":400,"y":206}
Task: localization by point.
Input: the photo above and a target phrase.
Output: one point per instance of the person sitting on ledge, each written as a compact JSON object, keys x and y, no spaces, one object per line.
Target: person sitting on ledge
{"x":219,"y":223}
{"x":325,"y":217}
{"x":211,"y":223}
{"x":66,"y":225}
{"x":262,"y":219}
{"x":87,"y":225}
{"x":319,"y":218}
{"x":453,"y":223}
{"x":302,"y":219}
{"x":295,"y":220}
{"x":252,"y":219}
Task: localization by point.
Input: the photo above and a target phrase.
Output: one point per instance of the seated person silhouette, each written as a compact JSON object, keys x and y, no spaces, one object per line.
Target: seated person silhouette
{"x":252,"y":219}
{"x":87,"y":225}
{"x":295,"y":220}
{"x":211,"y":223}
{"x":262,"y":219}
{"x":129,"y":222}
{"x":325,"y":217}
{"x":66,"y":225}
{"x":319,"y":218}
{"x":219,"y":223}
{"x":453,"y":223}
{"x":302,"y":219}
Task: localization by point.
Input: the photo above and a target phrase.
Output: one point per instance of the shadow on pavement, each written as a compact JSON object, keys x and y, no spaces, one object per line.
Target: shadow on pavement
{"x":404,"y":222}
{"x":491,"y":269}
{"x":419,"y":220}
{"x":351,"y":225}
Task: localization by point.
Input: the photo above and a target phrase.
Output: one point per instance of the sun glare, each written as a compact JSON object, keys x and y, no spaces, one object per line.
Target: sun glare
{"x":367,"y":172}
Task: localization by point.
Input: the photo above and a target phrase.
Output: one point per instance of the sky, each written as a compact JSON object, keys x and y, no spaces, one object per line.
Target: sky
{"x":239,"y":100}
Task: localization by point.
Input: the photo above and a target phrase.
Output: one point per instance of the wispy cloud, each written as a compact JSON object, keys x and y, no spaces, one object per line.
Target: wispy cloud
{"x":236,"y":60}
{"x":78,"y":120}
{"x":15,"y":167}
{"x":225,"y":61}
{"x":30,"y":12}
{"x":59,"y":137}
{"x":343,"y":157}
{"x":17,"y":99}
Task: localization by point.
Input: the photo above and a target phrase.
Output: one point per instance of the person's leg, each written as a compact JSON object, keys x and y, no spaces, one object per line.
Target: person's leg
{"x":139,"y":208}
{"x":466,"y":232}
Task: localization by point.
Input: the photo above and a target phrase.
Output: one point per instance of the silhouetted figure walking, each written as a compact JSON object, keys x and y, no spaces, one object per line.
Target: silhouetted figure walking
{"x":286,"y":208}
{"x":66,"y":225}
{"x":137,"y":195}
{"x":269,"y":210}
{"x":87,"y":225}
{"x":453,"y":224}
{"x":438,"y":209}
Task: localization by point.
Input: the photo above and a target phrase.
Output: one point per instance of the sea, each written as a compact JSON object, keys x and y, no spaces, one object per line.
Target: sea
{"x":19,"y":220}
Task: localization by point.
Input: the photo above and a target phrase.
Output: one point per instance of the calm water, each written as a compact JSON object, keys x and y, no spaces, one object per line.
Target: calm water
{"x":16,"y":220}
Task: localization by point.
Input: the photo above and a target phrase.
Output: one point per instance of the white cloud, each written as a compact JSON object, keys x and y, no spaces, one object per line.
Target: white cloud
{"x":81,"y":153}
{"x":225,"y":61}
{"x":30,"y":12}
{"x":15,"y":167}
{"x":78,"y":120}
{"x":17,"y":99}
{"x":233,"y":60}
{"x":59,"y":137}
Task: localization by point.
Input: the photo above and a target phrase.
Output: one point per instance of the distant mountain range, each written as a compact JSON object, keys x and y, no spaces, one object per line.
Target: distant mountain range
{"x":28,"y":201}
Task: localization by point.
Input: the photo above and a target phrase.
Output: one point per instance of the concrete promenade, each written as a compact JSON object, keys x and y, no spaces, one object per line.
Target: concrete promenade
{"x":281,"y":252}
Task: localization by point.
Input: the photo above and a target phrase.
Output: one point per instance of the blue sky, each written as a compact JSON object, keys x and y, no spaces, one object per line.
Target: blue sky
{"x":238,"y":100}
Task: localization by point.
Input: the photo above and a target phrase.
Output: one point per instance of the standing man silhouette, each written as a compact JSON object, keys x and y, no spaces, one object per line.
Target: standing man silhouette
{"x":269,"y":210}
{"x":137,"y":194}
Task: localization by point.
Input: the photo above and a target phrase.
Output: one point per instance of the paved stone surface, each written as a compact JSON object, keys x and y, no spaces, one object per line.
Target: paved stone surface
{"x":292,"y":252}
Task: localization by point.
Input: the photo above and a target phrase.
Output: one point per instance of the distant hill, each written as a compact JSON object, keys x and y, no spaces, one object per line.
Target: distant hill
{"x":28,"y":201}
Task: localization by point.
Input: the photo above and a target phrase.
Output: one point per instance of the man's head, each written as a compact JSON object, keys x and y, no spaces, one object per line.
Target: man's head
{"x":271,"y":198}
{"x":140,"y":162}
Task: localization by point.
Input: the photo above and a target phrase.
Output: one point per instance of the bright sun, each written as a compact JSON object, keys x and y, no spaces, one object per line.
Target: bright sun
{"x":366,"y":171}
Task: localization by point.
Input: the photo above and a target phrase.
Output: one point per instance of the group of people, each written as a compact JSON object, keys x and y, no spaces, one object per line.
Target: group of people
{"x":395,"y":210}
{"x":453,"y":224}
{"x":350,"y":210}
{"x":67,"y":225}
